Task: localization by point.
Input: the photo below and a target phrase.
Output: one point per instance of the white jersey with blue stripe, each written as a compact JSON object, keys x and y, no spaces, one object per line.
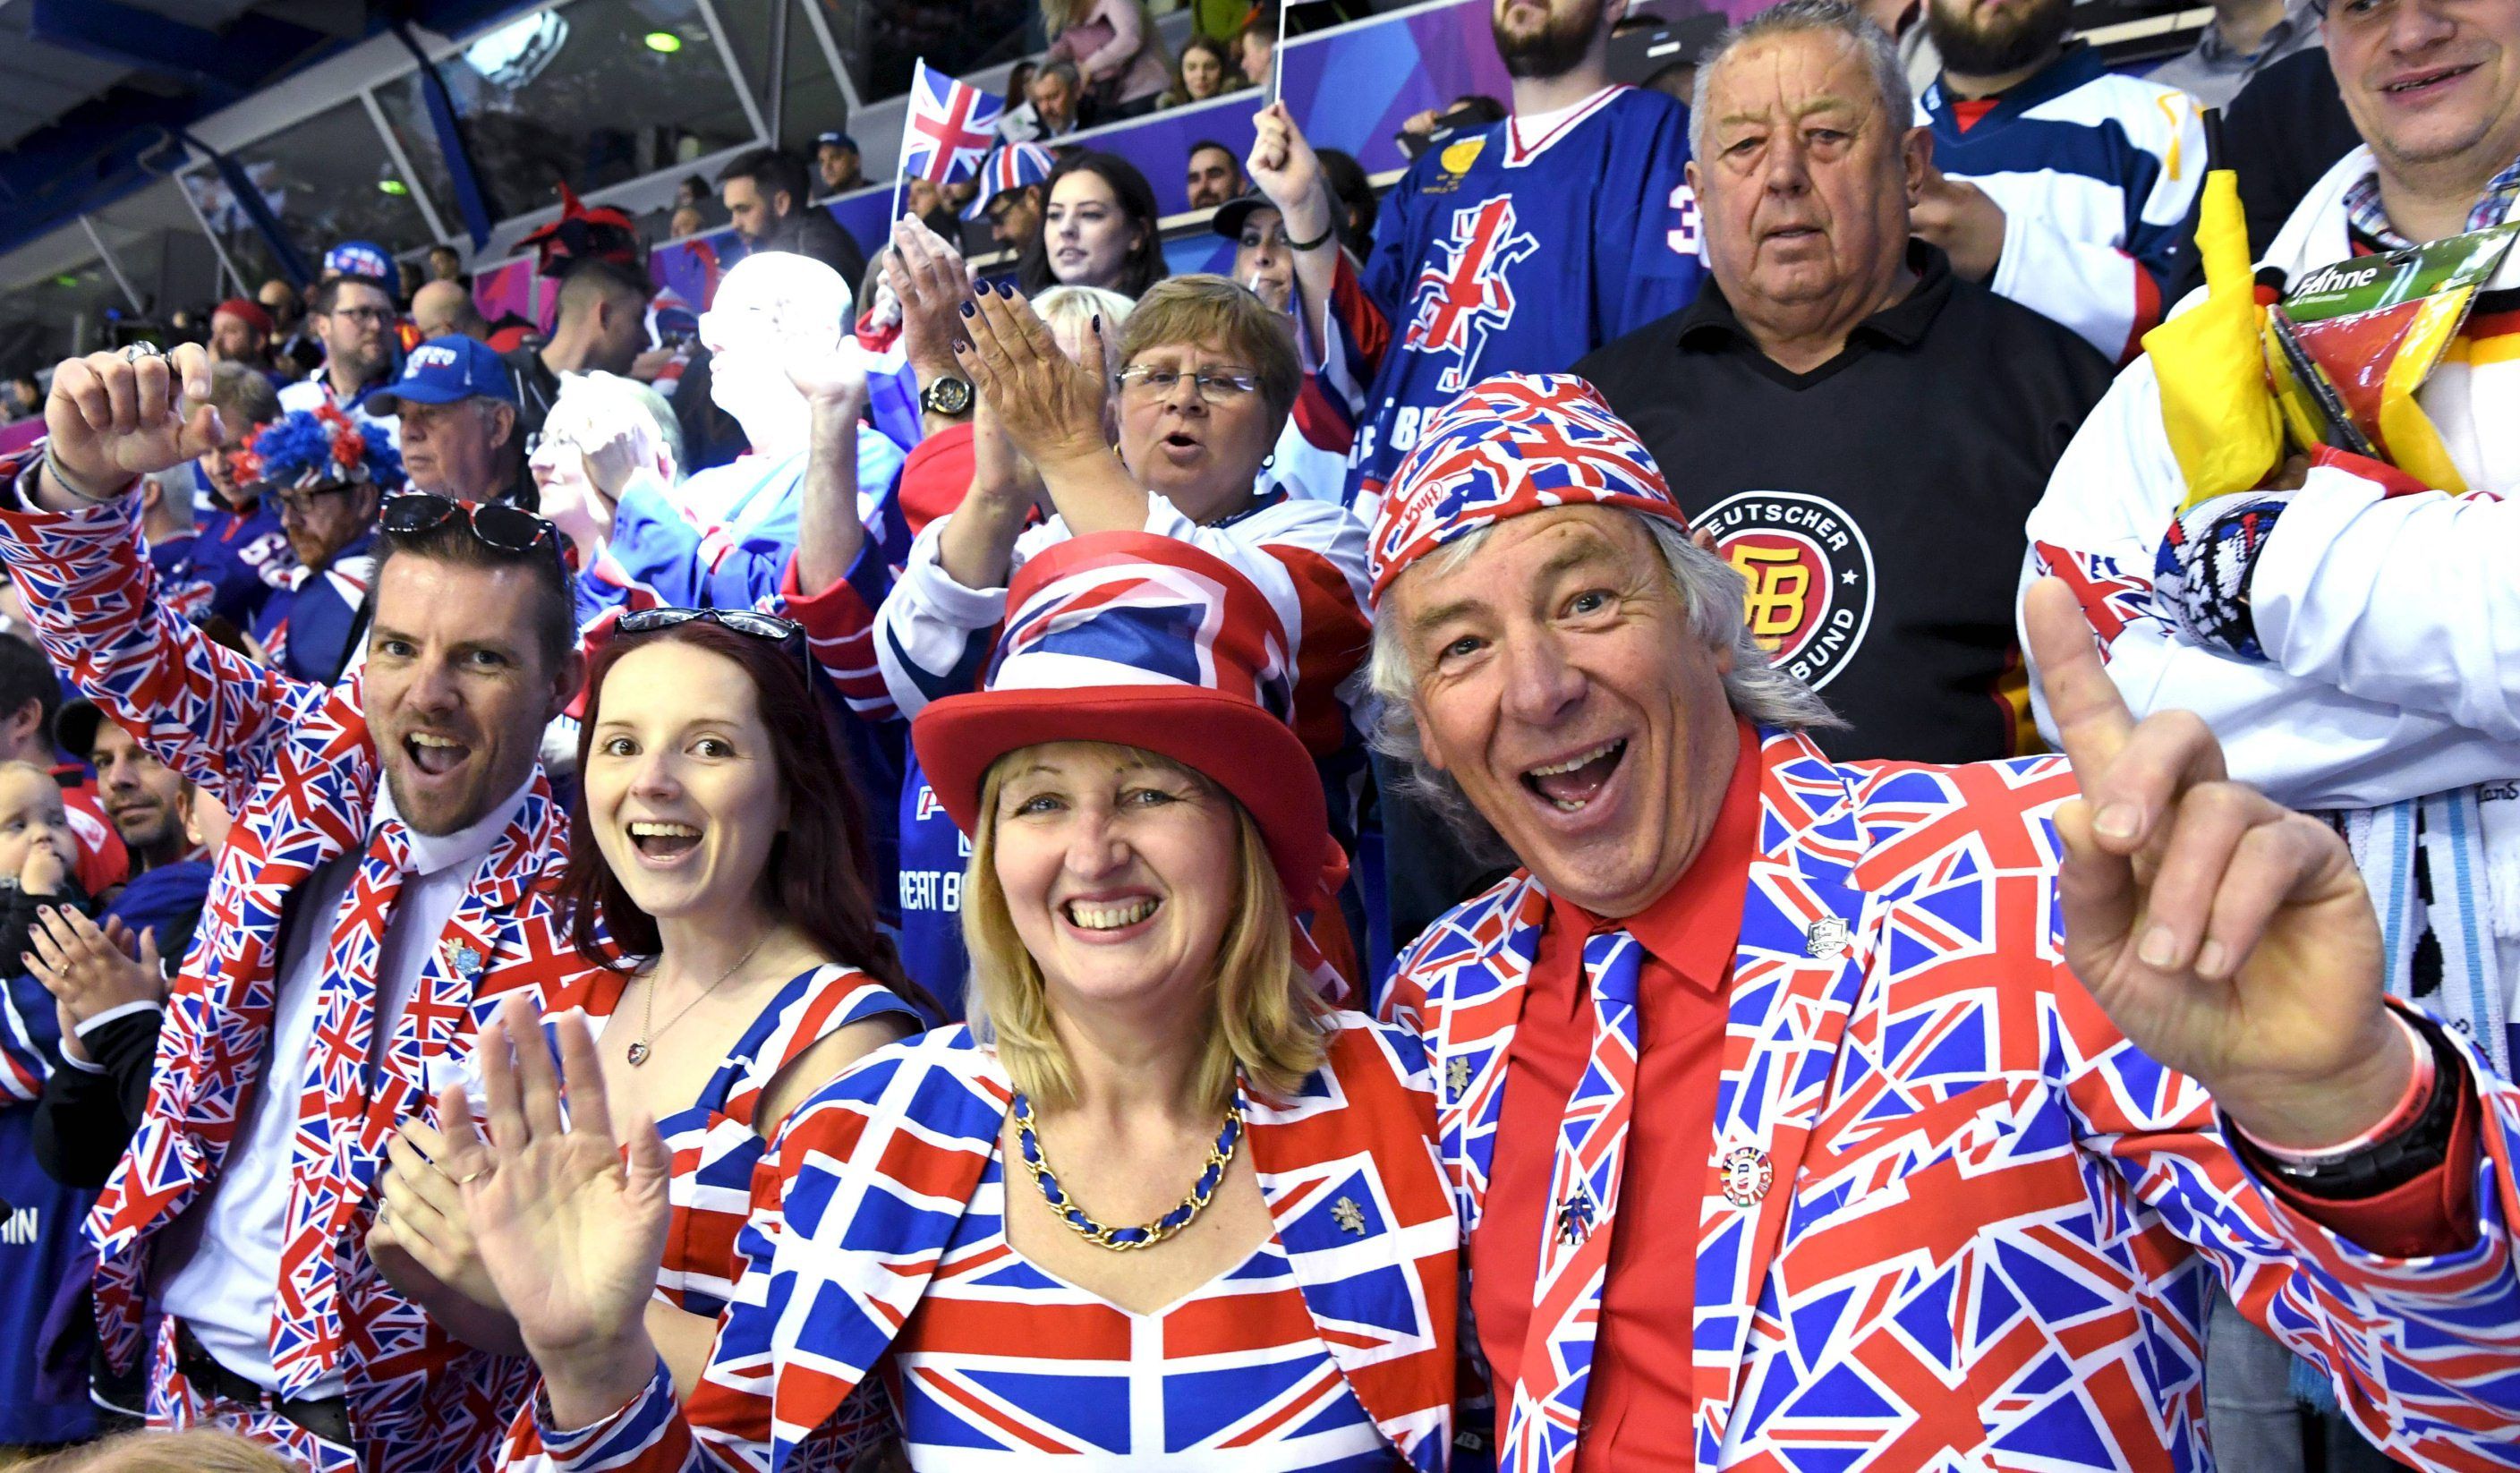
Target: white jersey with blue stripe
{"x":2096,"y":173}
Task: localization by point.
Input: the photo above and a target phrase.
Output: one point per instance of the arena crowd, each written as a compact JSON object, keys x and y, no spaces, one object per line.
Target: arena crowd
{"x":1808,"y":767}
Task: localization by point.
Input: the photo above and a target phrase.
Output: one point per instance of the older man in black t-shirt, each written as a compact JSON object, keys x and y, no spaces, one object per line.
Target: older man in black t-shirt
{"x":1863,"y":431}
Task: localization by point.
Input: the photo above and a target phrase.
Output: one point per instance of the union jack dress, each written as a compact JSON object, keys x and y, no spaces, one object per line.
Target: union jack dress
{"x":877,"y":1230}
{"x":1005,"y":1364}
{"x":713,"y":1141}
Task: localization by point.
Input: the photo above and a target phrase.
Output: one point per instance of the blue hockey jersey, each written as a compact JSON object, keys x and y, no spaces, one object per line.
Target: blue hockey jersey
{"x":1521,"y":249}
{"x":2096,"y":173}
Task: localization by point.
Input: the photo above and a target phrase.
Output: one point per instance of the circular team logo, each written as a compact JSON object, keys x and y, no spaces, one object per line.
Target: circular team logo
{"x":1810,"y":576}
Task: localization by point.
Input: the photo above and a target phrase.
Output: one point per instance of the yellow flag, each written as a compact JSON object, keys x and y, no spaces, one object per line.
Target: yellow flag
{"x":2220,"y":416}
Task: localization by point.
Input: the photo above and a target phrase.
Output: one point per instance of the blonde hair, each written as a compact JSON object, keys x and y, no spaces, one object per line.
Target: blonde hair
{"x":1269,"y":1022}
{"x":1221,"y":313}
{"x":196,"y":1449}
{"x":1076,"y":307}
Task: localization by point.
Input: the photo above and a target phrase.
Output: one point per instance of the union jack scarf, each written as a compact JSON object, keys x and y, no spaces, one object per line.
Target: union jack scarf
{"x":1548,"y":1408}
{"x":331,"y":1110}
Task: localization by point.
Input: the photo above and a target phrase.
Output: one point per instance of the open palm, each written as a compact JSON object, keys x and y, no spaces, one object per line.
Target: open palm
{"x":571,"y":1236}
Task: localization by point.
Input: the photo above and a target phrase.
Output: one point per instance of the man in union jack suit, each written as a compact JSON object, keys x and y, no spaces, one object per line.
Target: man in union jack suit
{"x":1906,"y":1113}
{"x":354,"y":932}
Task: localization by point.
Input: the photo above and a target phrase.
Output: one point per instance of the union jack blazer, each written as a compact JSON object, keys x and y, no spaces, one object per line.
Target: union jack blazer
{"x":1952,"y":1218}
{"x":296,"y":765}
{"x":870,"y":1178}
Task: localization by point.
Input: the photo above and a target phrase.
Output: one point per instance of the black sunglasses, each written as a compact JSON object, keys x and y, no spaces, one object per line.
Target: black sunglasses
{"x":494,"y":524}
{"x":787,"y":634}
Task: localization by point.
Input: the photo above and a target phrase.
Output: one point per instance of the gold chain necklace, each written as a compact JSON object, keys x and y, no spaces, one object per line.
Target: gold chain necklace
{"x":649,"y":1032}
{"x":1125,"y":1240}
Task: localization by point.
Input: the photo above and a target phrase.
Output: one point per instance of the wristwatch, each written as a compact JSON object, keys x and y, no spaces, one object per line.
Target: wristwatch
{"x":948,"y":396}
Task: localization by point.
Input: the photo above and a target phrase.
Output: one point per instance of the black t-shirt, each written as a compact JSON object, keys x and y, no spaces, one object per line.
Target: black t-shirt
{"x":1875,"y":503}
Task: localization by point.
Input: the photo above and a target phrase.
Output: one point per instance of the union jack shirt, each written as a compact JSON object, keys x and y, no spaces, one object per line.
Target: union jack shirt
{"x":865,"y":1208}
{"x":1952,"y":1218}
{"x":297,"y":766}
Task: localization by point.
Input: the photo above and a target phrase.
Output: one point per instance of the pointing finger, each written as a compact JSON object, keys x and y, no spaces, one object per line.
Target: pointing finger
{"x":2093,"y":722}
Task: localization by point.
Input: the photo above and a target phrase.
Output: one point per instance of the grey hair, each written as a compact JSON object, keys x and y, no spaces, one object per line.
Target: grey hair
{"x":1793,"y":17}
{"x":1756,"y":687}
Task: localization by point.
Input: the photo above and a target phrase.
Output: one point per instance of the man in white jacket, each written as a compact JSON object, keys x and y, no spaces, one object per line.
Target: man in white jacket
{"x":2360,"y":651}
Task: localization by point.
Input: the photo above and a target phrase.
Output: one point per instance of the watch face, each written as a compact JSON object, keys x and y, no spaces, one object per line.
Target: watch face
{"x":947,"y":396}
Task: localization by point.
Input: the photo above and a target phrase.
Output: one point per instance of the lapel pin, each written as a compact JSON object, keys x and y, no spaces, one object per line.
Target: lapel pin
{"x":1827,"y":937}
{"x":1457,"y":1076}
{"x":468,"y":963}
{"x":1575,"y":1216}
{"x":1747,"y":1176}
{"x":1349,"y":1216}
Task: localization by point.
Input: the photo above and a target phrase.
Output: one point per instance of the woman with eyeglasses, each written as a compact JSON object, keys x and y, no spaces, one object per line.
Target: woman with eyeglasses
{"x":326,"y":472}
{"x":1171,"y":435}
{"x":717,"y":875}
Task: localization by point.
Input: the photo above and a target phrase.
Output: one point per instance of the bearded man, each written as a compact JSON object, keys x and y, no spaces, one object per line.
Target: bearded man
{"x":2082,"y":177}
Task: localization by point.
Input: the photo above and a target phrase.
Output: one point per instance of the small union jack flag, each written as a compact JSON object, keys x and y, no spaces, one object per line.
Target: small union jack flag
{"x":950,"y":128}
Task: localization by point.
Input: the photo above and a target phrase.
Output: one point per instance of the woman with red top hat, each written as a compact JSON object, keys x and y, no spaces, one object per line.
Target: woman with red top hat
{"x":1159,"y":1204}
{"x":716,"y":876}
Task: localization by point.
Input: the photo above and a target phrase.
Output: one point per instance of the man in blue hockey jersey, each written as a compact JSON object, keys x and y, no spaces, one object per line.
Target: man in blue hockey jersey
{"x":2057,"y":182}
{"x":1526,"y":245}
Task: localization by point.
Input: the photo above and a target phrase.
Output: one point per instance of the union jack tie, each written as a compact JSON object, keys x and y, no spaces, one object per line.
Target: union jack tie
{"x":331,"y":1110}
{"x":1548,"y":1409}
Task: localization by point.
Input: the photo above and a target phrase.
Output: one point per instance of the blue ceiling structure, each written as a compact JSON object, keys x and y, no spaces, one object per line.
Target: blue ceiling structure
{"x":95,"y":95}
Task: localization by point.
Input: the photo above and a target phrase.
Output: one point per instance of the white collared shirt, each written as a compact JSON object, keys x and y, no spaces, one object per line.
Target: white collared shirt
{"x":227,"y":1291}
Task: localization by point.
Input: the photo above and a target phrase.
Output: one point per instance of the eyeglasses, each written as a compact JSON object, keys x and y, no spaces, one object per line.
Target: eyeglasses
{"x":1214,"y":386}
{"x":788,"y":634}
{"x":495,"y":525}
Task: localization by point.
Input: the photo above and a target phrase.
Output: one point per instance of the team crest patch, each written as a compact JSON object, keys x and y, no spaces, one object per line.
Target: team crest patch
{"x":1810,"y":575}
{"x":1456,"y":158}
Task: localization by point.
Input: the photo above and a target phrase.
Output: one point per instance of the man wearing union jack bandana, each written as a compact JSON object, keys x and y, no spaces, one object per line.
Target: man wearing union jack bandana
{"x":1798,"y":1112}
{"x":386,"y":881}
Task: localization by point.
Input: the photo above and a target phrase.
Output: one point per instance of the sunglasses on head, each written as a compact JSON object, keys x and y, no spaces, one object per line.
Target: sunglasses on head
{"x":787,"y":634}
{"x":494,"y":524}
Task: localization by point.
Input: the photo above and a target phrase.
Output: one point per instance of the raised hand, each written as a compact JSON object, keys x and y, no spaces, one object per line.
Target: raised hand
{"x":571,"y":1236}
{"x":833,"y":383}
{"x":1282,"y":164}
{"x":111,"y":419}
{"x":88,"y":969}
{"x":1960,"y":218}
{"x":929,"y":277}
{"x":1050,"y":407}
{"x":422,"y":1242}
{"x":2228,"y":937}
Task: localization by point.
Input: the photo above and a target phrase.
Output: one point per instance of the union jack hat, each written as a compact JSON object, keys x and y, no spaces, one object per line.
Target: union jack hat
{"x":1009,"y":165}
{"x":363,"y":259}
{"x":1149,"y":642}
{"x":1511,"y":444}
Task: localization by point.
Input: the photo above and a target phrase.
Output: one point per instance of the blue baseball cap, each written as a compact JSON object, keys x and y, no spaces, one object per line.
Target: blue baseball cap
{"x":360,"y":259}
{"x":443,"y":371}
{"x":840,"y":139}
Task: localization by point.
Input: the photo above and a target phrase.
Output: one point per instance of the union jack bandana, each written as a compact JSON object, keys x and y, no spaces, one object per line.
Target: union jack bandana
{"x":331,"y":1110}
{"x":1547,"y":1409}
{"x":1511,"y":444}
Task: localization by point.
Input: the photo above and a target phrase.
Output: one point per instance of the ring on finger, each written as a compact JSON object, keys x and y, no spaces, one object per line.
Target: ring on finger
{"x":135,"y":351}
{"x":468,"y":1178}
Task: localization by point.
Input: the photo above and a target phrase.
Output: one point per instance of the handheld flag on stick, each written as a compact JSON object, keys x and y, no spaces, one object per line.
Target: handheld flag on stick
{"x":948,"y":130}
{"x":2220,"y":414}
